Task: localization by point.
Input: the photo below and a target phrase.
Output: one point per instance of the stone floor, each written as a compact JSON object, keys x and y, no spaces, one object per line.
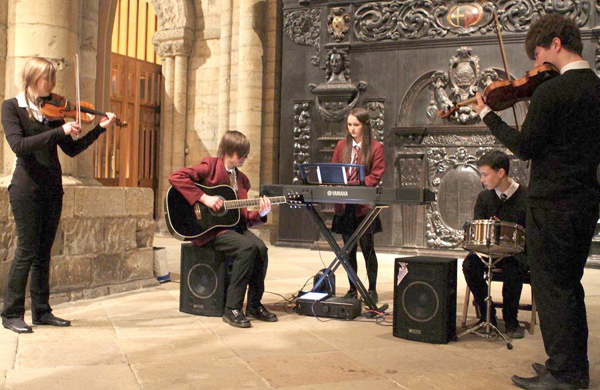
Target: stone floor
{"x":140,"y":340}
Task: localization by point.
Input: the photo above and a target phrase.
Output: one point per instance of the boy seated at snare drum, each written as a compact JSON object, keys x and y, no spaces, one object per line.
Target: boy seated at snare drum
{"x":506,"y":200}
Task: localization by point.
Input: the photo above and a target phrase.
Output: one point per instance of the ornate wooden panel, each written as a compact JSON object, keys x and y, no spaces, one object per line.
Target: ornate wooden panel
{"x":403,"y":61}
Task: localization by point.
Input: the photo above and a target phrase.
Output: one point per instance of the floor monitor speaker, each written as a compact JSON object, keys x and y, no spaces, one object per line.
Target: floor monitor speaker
{"x":203,"y":281}
{"x":425,"y":299}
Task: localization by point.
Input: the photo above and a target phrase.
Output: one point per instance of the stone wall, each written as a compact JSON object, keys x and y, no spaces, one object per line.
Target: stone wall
{"x":103,"y":244}
{"x":221,"y":68}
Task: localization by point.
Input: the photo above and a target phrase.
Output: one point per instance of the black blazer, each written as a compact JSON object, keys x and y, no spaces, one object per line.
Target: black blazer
{"x":38,"y":172}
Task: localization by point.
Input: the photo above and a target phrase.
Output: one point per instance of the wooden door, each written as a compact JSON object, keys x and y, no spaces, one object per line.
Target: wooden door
{"x":127,"y":157}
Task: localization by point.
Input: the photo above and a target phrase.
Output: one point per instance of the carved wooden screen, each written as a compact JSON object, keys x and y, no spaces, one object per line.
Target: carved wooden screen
{"x":127,"y":157}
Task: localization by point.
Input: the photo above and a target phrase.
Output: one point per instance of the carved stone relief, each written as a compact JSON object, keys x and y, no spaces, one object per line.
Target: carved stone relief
{"x":409,"y":168}
{"x":517,"y":16}
{"x":397,"y":20}
{"x":175,"y":35}
{"x":377,"y":116}
{"x":338,"y":95}
{"x":394,"y":20}
{"x":464,"y":79}
{"x":171,"y":14}
{"x":459,"y":140}
{"x":598,"y":60}
{"x":303,"y":27}
{"x":453,"y":177}
{"x":337,"y":66}
{"x":338,"y":23}
{"x":302,"y":129}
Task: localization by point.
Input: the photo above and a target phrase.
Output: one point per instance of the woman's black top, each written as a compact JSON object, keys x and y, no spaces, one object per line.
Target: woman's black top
{"x":38,"y":172}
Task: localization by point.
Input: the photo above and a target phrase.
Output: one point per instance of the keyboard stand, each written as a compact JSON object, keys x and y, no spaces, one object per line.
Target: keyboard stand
{"x":343,"y":253}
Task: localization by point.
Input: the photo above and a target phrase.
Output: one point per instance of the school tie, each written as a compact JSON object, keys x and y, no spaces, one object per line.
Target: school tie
{"x":233,"y":180}
{"x":354,"y":171}
{"x":503,"y":197}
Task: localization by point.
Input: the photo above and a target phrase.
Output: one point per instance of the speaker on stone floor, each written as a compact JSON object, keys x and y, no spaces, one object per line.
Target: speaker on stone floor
{"x":203,"y":281}
{"x":425,"y":299}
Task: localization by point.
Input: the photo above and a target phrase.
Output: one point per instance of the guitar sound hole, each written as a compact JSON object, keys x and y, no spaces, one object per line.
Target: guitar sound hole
{"x":222,"y":211}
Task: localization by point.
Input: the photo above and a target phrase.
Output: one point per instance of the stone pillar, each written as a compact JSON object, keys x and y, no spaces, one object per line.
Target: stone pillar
{"x":250,"y":83}
{"x":270,"y":136}
{"x":50,"y":32}
{"x":225,"y":66}
{"x":87,"y":79}
{"x":173,"y":46}
{"x":3,"y":33}
{"x":180,"y":110}
{"x":166,"y":128}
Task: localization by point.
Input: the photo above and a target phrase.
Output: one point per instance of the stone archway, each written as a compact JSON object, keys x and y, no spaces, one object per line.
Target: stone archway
{"x":173,"y":43}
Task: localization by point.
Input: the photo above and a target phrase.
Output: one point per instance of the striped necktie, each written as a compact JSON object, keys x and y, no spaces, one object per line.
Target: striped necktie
{"x":233,"y":180}
{"x":354,"y":171}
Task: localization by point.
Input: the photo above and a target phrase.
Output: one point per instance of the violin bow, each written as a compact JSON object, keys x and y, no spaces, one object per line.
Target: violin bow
{"x":503,"y":53}
{"x":77,"y":91}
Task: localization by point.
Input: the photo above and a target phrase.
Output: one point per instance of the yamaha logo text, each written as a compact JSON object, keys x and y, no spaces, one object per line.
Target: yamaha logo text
{"x":337,"y":193}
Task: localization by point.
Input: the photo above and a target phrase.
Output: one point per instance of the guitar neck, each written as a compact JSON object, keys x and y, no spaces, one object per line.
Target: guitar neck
{"x":241,"y":203}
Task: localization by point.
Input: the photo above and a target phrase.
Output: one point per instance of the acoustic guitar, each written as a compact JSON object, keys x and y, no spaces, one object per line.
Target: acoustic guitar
{"x":186,"y":222}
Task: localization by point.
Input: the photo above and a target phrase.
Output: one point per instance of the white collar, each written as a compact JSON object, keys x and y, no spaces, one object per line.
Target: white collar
{"x":21,"y":100}
{"x":514,"y":186}
{"x":575,"y":65}
{"x":35,"y":110}
{"x":354,"y":143}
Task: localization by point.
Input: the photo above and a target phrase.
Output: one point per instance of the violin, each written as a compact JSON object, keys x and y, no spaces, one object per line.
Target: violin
{"x":57,"y":107}
{"x":503,"y":94}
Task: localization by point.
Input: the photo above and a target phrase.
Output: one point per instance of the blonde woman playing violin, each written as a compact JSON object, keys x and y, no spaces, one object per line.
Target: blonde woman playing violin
{"x":36,"y":191}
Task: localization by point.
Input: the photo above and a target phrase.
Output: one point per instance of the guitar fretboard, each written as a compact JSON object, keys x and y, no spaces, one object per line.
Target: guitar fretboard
{"x":241,"y":203}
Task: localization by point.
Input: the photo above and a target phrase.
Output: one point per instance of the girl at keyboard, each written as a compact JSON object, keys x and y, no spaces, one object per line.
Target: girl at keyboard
{"x":359,"y":147}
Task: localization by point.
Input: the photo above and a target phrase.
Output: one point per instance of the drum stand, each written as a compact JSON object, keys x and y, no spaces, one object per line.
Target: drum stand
{"x":490,"y":331}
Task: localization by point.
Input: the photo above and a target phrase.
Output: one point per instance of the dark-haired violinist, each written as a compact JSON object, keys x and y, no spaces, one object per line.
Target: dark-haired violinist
{"x":36,"y":191}
{"x":561,"y":137}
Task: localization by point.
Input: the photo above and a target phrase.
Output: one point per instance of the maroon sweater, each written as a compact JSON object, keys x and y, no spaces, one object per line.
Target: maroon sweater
{"x":373,"y":172}
{"x":211,"y":171}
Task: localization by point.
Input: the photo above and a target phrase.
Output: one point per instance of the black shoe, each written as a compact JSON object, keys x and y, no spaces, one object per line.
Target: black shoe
{"x":261,"y":313}
{"x":236,"y":318}
{"x":51,"y":319}
{"x":515,"y":333}
{"x":543,"y":382}
{"x":541,"y":369}
{"x":351,"y":294}
{"x":373,"y":295}
{"x":17,"y":325}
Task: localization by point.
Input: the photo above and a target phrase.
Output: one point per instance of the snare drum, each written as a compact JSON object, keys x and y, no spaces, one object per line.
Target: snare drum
{"x":496,"y":237}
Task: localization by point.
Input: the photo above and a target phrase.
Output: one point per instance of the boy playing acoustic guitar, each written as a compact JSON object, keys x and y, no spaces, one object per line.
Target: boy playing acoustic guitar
{"x":248,"y":252}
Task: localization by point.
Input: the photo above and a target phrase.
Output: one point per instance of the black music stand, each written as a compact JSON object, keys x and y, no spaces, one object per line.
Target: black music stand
{"x":329,"y":173}
{"x":341,"y":253}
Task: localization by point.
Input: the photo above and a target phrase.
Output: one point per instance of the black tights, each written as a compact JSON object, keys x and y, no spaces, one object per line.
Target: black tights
{"x":367,"y":245}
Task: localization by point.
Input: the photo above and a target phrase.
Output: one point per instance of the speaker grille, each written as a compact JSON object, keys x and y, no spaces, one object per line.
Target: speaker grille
{"x":420,"y":301}
{"x":202,"y":281}
{"x":425,"y":299}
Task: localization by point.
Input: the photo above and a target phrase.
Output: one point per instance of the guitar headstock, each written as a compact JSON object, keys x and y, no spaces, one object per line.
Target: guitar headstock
{"x":295,"y":201}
